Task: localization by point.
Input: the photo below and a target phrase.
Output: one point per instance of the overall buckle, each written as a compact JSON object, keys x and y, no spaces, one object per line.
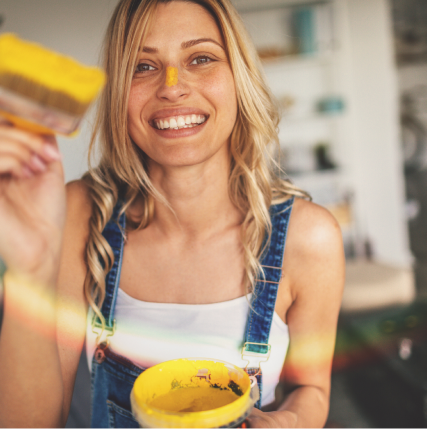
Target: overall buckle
{"x":263,"y":356}
{"x":99,"y":330}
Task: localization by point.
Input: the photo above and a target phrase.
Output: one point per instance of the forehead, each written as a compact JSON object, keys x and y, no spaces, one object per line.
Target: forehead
{"x":179,"y":21}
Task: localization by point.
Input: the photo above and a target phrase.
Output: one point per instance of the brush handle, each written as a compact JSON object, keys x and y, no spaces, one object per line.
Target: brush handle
{"x":31,"y":116}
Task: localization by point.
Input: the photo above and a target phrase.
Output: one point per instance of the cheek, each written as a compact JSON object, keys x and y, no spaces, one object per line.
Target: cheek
{"x":134,"y":100}
{"x":221,"y":89}
{"x":137,"y":100}
{"x":136,"y":126}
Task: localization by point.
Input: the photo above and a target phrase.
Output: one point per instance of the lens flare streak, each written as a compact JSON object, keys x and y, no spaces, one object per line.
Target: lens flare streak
{"x":35,"y":307}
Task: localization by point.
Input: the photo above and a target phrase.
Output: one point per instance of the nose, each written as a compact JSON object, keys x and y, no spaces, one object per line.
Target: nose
{"x":173,"y":87}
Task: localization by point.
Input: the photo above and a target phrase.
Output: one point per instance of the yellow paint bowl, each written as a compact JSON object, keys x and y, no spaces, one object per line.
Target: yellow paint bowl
{"x":190,"y":393}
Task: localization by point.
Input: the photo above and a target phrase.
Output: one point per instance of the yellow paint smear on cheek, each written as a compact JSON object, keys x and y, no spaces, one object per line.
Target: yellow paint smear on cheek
{"x":171,"y":76}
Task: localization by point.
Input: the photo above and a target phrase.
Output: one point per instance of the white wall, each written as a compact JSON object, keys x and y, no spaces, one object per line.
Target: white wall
{"x":374,"y":144}
{"x":366,"y":139}
{"x":72,"y":27}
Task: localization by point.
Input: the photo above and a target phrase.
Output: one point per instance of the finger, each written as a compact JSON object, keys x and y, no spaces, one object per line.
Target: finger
{"x":37,"y":164}
{"x":34,"y":162}
{"x":32,"y":141}
{"x":50,"y":150}
{"x":26,"y":172}
{"x":45,"y":146}
{"x":10,"y":165}
{"x":17,"y":160}
{"x":17,"y":149}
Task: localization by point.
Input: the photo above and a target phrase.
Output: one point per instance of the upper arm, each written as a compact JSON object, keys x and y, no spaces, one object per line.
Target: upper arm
{"x":316,"y":266}
{"x":72,"y":307}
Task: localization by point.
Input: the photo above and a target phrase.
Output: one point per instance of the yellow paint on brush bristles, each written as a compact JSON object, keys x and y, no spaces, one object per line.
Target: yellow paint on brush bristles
{"x":28,"y":71}
{"x":171,"y":76}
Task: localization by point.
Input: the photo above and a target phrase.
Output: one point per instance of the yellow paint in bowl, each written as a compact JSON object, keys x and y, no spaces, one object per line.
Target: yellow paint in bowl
{"x":193,"y":399}
{"x":192,"y":393}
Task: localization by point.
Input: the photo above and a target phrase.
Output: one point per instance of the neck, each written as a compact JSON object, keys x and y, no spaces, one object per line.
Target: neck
{"x":198,"y":196}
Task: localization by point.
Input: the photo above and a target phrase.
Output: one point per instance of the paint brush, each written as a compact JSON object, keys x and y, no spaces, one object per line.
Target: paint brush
{"x":43,"y":91}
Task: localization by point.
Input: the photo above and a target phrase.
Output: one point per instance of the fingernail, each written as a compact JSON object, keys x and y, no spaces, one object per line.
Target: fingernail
{"x":37,"y":163}
{"x":51,"y":152}
{"x":27,"y":172}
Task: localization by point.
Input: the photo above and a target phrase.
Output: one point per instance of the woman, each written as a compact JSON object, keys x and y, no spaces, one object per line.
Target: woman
{"x":166,"y":237}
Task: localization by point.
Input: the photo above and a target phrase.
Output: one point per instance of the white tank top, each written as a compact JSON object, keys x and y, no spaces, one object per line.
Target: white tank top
{"x":149,"y":333}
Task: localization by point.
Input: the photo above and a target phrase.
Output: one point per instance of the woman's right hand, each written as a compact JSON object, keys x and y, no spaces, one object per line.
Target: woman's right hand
{"x":32,"y":203}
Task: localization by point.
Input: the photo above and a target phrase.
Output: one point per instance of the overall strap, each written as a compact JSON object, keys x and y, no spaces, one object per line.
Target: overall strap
{"x":264,"y":297}
{"x":114,"y":233}
{"x":265,"y":294}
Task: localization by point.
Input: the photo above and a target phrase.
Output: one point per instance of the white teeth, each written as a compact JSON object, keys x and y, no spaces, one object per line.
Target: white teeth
{"x":179,"y":122}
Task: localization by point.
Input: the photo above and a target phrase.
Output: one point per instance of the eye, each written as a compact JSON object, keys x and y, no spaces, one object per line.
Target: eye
{"x":201,"y":60}
{"x":144,"y":67}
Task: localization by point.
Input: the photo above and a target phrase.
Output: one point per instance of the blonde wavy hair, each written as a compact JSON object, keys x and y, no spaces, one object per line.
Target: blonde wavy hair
{"x":254,"y":182}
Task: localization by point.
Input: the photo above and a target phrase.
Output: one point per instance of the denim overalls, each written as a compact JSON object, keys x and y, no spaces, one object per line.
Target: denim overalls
{"x":113,"y":376}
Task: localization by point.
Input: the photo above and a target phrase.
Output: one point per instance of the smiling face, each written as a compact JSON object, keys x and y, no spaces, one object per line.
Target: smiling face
{"x":182,"y":105}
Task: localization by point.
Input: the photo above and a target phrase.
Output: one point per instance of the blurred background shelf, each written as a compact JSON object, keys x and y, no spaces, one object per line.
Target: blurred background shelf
{"x":246,"y":6}
{"x":331,"y":65}
{"x":298,"y":61}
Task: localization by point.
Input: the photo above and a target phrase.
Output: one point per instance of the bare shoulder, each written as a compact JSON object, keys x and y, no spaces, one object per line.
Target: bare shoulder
{"x":312,"y":226}
{"x":78,"y":198}
{"x":78,"y":189}
{"x":79,"y":207}
{"x":314,"y":249}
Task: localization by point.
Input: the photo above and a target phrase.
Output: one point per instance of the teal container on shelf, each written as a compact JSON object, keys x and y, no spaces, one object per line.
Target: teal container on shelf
{"x":305,"y":31}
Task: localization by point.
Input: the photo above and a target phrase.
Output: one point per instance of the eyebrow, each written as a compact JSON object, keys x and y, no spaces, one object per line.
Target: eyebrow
{"x":190,"y":43}
{"x":184,"y":45}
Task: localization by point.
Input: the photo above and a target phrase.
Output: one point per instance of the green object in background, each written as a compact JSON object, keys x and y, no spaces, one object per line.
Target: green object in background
{"x":305,"y":30}
{"x":331,"y":105}
{"x":2,"y":268}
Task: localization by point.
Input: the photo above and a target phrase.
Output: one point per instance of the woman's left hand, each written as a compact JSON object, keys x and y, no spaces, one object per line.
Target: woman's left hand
{"x":272,"y":419}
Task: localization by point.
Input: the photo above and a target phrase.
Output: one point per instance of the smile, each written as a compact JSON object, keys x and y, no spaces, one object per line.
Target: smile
{"x":179,"y":122}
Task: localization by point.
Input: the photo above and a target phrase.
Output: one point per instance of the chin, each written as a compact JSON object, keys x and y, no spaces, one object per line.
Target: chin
{"x":180,"y":157}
